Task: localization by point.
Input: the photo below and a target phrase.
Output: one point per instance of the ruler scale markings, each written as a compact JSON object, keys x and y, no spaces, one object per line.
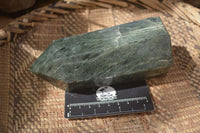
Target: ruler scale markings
{"x":111,"y":112}
{"x":106,"y":102}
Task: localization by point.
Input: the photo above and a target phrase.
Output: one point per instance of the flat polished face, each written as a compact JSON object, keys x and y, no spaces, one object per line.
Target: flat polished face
{"x":110,"y":56}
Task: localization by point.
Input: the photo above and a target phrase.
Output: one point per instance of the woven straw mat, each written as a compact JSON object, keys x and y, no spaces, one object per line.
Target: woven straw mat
{"x":30,"y":104}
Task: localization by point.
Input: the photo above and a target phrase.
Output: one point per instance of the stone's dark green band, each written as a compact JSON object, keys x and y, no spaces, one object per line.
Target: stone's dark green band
{"x":118,"y":54}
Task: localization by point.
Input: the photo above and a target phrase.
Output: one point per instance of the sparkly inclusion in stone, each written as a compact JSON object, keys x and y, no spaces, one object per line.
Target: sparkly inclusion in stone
{"x":115,"y":55}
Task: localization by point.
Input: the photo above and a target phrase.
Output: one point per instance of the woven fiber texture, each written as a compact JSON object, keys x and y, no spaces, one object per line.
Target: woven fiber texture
{"x":30,"y":104}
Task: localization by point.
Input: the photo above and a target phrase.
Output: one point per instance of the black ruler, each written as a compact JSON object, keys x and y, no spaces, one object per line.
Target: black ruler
{"x":108,"y":100}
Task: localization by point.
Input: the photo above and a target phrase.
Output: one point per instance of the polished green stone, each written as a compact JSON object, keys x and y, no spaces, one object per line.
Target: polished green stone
{"x":115,"y":55}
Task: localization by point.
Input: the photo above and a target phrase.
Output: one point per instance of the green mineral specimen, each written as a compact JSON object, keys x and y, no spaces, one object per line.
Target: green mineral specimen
{"x":119,"y":54}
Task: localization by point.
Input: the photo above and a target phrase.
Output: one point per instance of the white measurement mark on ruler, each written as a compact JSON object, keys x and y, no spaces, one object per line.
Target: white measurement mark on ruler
{"x":144,"y":107}
{"x":119,"y":109}
{"x":95,"y":111}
